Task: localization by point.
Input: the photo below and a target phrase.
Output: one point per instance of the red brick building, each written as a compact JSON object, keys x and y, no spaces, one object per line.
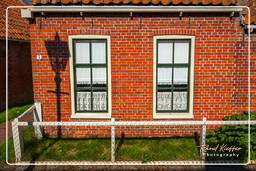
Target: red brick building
{"x":139,"y":60}
{"x":20,"y":88}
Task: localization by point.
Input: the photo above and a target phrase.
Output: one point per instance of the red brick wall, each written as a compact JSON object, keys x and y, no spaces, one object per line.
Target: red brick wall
{"x":253,"y":71}
{"x":19,"y":73}
{"x":220,"y":74}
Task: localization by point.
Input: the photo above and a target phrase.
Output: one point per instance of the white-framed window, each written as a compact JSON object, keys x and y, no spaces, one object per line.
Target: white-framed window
{"x":90,"y":75}
{"x":173,"y":76}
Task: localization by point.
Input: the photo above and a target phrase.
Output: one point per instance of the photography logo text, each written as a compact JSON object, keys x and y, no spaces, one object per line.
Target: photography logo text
{"x":220,"y":150}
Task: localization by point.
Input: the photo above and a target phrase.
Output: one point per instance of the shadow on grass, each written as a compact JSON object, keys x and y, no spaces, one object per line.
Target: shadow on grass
{"x":120,"y":143}
{"x":197,"y":141}
{"x":66,"y":148}
{"x":37,"y":154}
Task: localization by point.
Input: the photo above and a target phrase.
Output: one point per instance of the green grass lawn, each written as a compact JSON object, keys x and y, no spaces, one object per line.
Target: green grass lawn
{"x":156,"y":149}
{"x":99,"y":149}
{"x":14,"y":112}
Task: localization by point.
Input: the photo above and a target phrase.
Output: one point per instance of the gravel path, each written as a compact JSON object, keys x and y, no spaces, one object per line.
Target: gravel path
{"x":3,"y":129}
{"x":137,"y":168}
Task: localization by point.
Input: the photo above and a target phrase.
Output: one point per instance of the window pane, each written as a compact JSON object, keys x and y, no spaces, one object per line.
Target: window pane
{"x":99,"y":75}
{"x":180,"y":76}
{"x":181,"y":52}
{"x":83,"y":101}
{"x":165,"y":52}
{"x":83,"y":76}
{"x":99,"y":53}
{"x":82,"y":53}
{"x":164,"y":76}
{"x":99,"y":101}
{"x":164,"y":100}
{"x":180,"y":100}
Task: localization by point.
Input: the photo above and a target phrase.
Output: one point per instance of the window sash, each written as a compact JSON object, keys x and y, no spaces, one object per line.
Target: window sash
{"x":92,"y":88}
{"x":172,"y":87}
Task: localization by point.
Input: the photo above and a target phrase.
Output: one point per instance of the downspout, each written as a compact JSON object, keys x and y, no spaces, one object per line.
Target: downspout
{"x":246,"y":26}
{"x":252,"y":28}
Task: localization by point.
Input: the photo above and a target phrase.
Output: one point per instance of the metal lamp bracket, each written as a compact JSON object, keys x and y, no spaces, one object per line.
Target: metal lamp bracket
{"x":131,"y":14}
{"x":181,"y":14}
{"x":232,"y":14}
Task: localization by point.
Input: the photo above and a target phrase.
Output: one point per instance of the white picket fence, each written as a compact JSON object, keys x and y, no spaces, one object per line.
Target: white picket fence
{"x":37,"y":123}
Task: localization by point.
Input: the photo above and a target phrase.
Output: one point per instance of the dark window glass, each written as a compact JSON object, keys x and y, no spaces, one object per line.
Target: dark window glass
{"x":173,"y":67}
{"x":90,"y":74}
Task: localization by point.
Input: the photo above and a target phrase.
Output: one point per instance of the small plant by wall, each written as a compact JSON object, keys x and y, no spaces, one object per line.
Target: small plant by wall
{"x":234,"y":136}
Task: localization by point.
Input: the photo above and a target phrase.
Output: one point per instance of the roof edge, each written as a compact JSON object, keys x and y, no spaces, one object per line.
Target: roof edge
{"x":28,"y":13}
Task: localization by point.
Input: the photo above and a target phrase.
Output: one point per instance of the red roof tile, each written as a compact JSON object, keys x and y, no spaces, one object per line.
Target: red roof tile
{"x":155,"y":2}
{"x":18,"y":27}
{"x":253,"y":15}
{"x":251,"y":3}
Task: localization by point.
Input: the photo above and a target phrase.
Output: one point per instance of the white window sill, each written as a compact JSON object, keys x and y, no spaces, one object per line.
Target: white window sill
{"x":173,"y":116}
{"x":92,"y":115}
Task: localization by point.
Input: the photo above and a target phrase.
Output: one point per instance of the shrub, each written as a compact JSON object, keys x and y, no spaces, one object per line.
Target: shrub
{"x":234,"y":135}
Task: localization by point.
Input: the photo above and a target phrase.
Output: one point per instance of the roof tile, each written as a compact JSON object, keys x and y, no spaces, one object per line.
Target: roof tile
{"x":186,"y":2}
{"x":95,"y":1}
{"x":145,"y":2}
{"x":64,"y":1}
{"x":55,"y":1}
{"x":165,"y":2}
{"x":135,"y":1}
{"x":18,"y":27}
{"x":155,"y":2}
{"x":196,"y":2}
{"x":207,"y":2}
{"x":250,"y":3}
{"x":176,"y":2}
{"x":124,"y":1}
{"x":86,"y":1}
{"x":44,"y":1}
{"x":106,"y":1}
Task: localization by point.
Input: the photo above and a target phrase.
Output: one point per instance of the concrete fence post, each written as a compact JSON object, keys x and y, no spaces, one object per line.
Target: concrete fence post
{"x":203,"y":138}
{"x":38,"y":118}
{"x":113,"y":140}
{"x":17,"y":140}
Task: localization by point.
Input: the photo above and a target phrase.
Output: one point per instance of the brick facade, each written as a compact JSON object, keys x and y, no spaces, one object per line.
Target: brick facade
{"x":220,"y":69}
{"x":253,"y":71}
{"x":20,"y":90}
{"x":19,"y":62}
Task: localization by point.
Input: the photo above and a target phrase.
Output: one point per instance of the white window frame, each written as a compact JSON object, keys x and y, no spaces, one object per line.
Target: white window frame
{"x":92,"y":115}
{"x":183,"y":115}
